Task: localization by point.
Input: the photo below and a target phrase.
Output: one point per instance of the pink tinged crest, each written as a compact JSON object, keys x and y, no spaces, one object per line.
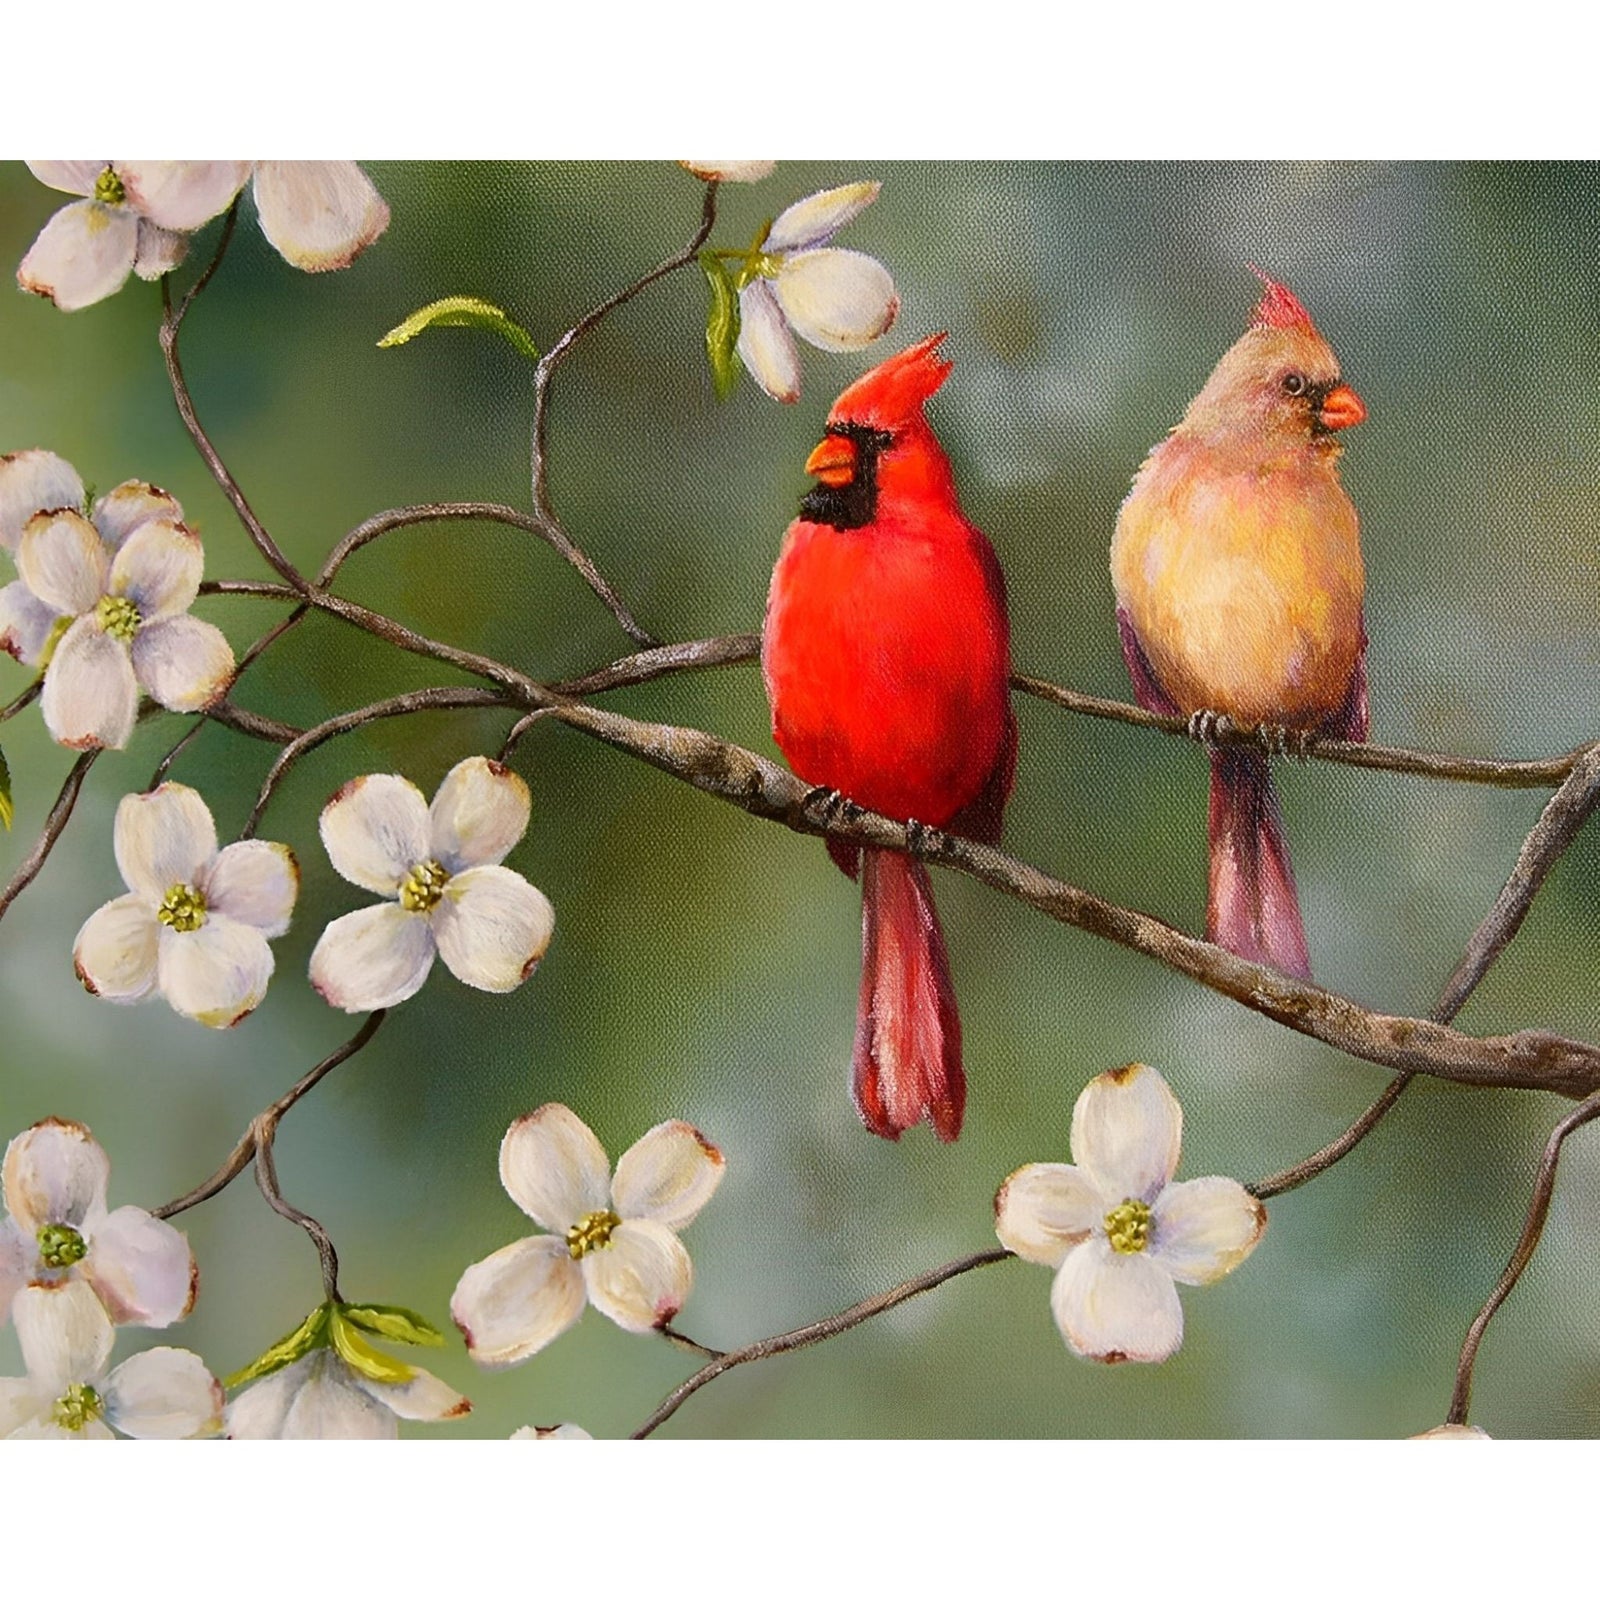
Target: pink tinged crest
{"x":894,"y":393}
{"x":1279,"y":308}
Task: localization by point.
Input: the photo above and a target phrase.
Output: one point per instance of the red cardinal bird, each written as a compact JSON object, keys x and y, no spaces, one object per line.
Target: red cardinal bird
{"x":1237,"y":566}
{"x":887,"y":661}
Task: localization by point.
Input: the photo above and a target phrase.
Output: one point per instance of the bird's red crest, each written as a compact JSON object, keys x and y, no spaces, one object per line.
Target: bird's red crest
{"x":1279,"y":308}
{"x":891,"y":394}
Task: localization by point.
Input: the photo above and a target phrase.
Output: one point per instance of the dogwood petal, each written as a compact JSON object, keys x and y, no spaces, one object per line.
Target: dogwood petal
{"x":158,"y":567}
{"x":17,"y":1256}
{"x":26,"y":623}
{"x":493,"y":928}
{"x":163,"y":1394}
{"x":33,"y":481}
{"x":64,"y":1332}
{"x":61,"y":558}
{"x":21,"y":1405}
{"x":260,"y":1411}
{"x":216,"y":975}
{"x":765,"y":344}
{"x":375,"y":830}
{"x":182,"y":195}
{"x":142,"y":1268}
{"x":114,"y":954}
{"x":55,"y":1171}
{"x":1044,"y":1210}
{"x":71,"y":177}
{"x":318,"y":215}
{"x":552,"y":1165}
{"x":478,"y":814}
{"x":1447,"y":1430}
{"x":814,"y":220}
{"x":1201,"y":1230}
{"x":184,"y":663}
{"x":562,"y":1430}
{"x":641,"y":1278}
{"x":837,"y":299}
{"x":158,"y":251}
{"x":723,"y":172}
{"x":254,"y":882}
{"x":163,"y":838}
{"x":373,"y":958}
{"x":516,"y":1301}
{"x":91,"y":697}
{"x":330,"y":1406}
{"x":83,"y":253}
{"x":667,"y":1175}
{"x":1113,"y":1307}
{"x":424,"y":1398}
{"x":130,"y":505}
{"x":1127,"y":1129}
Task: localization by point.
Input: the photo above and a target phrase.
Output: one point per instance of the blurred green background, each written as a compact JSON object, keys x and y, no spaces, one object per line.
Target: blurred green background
{"x":705,"y":964}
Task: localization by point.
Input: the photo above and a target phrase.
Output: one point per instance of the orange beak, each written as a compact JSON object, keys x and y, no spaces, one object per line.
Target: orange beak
{"x":1342,"y":408}
{"x":833,"y":462}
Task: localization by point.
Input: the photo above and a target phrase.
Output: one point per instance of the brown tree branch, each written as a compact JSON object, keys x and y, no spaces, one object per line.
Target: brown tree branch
{"x":54,"y":824}
{"x":23,"y":700}
{"x":1538,"y":1210}
{"x":816,"y":1332}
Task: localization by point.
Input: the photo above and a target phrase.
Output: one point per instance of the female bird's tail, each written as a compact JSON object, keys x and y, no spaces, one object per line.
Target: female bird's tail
{"x":907,"y":1062}
{"x":1253,"y":908}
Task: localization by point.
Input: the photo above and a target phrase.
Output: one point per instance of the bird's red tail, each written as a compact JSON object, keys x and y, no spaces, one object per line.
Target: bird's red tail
{"x":1253,"y":908}
{"x":908,"y":1036}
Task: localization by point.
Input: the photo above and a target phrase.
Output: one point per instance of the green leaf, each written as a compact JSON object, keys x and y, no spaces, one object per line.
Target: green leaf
{"x":393,"y":1322}
{"x":311,"y":1335}
{"x":722,"y":325}
{"x":462,"y":311}
{"x":6,"y":811}
{"x":365,"y":1358}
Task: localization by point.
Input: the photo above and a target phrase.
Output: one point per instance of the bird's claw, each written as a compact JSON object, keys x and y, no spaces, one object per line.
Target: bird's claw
{"x":1278,"y":739}
{"x":1208,"y":727}
{"x":921,"y":840}
{"x":830,"y":805}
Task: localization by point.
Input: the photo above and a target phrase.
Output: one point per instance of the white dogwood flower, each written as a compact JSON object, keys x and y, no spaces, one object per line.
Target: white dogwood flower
{"x":834,"y":299}
{"x":1115,"y":1226}
{"x":730,"y":171}
{"x":562,"y":1430}
{"x":447,"y":893}
{"x":119,"y":583}
{"x":321,"y":1396}
{"x":613,"y":1241}
{"x":66,"y":1341}
{"x":57,"y":1229}
{"x":136,"y":216}
{"x":195,"y":922}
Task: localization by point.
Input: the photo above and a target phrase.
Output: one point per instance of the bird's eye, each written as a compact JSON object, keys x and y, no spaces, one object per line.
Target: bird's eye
{"x":1294,"y":384}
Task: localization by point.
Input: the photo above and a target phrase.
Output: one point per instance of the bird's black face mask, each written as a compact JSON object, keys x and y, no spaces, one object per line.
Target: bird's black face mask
{"x":846,"y":462}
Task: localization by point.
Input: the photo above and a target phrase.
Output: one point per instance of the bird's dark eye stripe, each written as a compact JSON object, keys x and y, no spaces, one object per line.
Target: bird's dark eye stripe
{"x":873,"y":440}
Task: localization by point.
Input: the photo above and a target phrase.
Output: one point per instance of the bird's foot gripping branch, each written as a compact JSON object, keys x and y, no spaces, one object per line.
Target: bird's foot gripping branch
{"x":887,"y":659}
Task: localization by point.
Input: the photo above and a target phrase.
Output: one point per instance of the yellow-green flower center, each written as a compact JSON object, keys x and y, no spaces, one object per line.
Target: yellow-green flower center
{"x":592,"y":1232}
{"x":182,"y":908}
{"x":422,"y":886}
{"x":1128,"y":1227}
{"x":119,"y":616}
{"x":78,"y":1407}
{"x":61,"y":1245}
{"x":108,"y":189}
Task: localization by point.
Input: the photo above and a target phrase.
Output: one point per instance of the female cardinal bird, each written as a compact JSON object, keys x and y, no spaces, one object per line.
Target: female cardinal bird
{"x":1237,"y":566}
{"x":887,"y":660}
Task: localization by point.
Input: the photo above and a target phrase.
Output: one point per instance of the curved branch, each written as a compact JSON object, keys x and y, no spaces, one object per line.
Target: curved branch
{"x":54,"y":824}
{"x":244,"y":1152}
{"x":816,"y":1332}
{"x":23,"y":700}
{"x":1538,"y":1210}
{"x":267,"y":1183}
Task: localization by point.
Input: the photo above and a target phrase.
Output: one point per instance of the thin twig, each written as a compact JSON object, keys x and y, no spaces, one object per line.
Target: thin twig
{"x":267,"y":1183}
{"x":684,"y":1342}
{"x":816,"y":1332}
{"x":23,"y":700}
{"x":54,"y":824}
{"x":171,"y":324}
{"x":443,"y":699}
{"x":1538,"y":1210}
{"x":1558,"y":824}
{"x":244,"y":1151}
{"x":518,"y":728}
